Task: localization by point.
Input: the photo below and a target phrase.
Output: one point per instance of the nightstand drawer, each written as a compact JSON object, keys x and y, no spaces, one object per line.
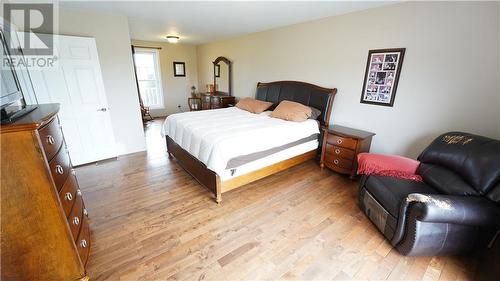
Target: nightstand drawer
{"x":340,"y":151}
{"x":338,"y":169}
{"x":342,"y":142}
{"x":341,"y":147}
{"x":337,"y":161}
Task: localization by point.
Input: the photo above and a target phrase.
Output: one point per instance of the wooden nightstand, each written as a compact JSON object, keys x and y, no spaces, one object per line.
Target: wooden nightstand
{"x":341,"y":146}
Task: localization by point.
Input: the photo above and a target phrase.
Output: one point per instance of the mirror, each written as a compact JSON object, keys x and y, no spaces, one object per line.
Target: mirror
{"x":222,"y":76}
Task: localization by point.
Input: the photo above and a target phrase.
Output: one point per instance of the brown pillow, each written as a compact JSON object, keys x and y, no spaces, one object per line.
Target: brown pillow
{"x":253,"y":105}
{"x":315,"y":113}
{"x":292,"y":111}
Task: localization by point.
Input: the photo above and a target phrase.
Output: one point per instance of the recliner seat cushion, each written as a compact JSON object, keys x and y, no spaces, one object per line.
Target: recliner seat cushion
{"x":390,"y":192}
{"x":475,"y":158}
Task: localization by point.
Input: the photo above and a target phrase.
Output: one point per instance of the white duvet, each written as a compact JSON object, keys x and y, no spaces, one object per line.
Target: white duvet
{"x":216,"y":136}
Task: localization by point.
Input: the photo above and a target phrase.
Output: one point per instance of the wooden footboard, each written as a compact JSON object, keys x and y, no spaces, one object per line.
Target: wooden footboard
{"x":211,"y":180}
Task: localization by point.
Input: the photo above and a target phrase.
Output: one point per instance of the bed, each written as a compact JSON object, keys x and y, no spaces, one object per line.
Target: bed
{"x":224,"y":149}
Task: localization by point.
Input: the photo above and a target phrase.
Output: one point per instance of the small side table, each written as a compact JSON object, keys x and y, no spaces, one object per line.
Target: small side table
{"x":194,"y":104}
{"x":341,"y":146}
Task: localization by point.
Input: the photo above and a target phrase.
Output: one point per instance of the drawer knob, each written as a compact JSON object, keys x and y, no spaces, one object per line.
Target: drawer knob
{"x":337,"y":151}
{"x":336,"y":161}
{"x":79,"y":192}
{"x":85,"y":212}
{"x":68,"y":196}
{"x":76,"y":221}
{"x":59,"y":169}
{"x":50,"y":140}
{"x":83,"y":243}
{"x":339,"y":141}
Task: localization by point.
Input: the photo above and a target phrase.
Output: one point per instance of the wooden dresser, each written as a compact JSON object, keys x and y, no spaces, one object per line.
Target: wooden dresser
{"x":216,"y":100}
{"x":44,"y":227}
{"x":341,"y":146}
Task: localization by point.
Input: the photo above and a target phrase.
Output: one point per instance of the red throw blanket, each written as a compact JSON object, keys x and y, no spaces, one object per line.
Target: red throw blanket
{"x":388,"y":165}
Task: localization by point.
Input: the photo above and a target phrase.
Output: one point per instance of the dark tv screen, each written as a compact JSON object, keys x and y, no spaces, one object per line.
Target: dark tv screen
{"x":10,"y":89}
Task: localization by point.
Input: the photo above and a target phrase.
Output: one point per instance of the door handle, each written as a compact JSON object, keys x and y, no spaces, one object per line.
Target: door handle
{"x":103,"y":109}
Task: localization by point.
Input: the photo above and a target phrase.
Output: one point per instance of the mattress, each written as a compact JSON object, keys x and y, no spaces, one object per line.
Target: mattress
{"x":244,"y":159}
{"x":268,"y":160}
{"x":215,"y":137}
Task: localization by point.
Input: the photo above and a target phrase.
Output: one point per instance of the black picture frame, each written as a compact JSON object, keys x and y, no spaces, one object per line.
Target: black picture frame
{"x":383,"y":68}
{"x":179,"y":69}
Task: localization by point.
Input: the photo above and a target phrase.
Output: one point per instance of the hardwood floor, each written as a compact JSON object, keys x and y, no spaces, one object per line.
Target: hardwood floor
{"x":151,"y":221}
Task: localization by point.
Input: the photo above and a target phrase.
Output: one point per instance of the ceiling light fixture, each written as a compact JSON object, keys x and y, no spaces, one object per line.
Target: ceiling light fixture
{"x":173,"y":39}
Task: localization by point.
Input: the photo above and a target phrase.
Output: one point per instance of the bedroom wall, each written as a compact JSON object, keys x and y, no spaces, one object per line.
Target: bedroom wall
{"x":498,"y":68}
{"x":176,"y":90}
{"x":448,"y":80}
{"x":113,"y":45}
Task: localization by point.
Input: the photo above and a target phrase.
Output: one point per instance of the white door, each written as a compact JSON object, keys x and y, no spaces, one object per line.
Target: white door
{"x":76,"y":83}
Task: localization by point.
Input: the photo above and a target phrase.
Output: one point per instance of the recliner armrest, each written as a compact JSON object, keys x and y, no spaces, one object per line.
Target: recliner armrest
{"x":464,"y":210}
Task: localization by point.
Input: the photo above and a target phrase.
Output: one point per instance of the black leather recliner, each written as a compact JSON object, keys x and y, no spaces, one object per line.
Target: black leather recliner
{"x":454,"y":209}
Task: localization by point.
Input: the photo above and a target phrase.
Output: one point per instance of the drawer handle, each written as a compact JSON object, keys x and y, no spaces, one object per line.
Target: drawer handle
{"x":68,"y":196}
{"x":83,"y":243}
{"x":76,"y":221}
{"x":50,"y":140}
{"x":337,"y":151}
{"x":59,"y":169}
{"x":85,"y":212}
{"x":336,"y":161}
{"x":339,"y":141}
{"x":79,"y":192}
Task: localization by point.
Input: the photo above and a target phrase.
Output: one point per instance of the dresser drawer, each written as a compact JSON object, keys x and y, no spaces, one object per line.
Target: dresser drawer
{"x":67,"y":194}
{"x":76,"y":216}
{"x":337,"y":161}
{"x":51,"y":137}
{"x":228,"y":101}
{"x":340,"y":151}
{"x":215,"y":102}
{"x":60,"y":167}
{"x":205,"y":101}
{"x":341,"y":141}
{"x":83,"y":242}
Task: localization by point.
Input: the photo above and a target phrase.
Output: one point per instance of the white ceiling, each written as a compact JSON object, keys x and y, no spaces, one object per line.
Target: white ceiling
{"x":202,"y":22}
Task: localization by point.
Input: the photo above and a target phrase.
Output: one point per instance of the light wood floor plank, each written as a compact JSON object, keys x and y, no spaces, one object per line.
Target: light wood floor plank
{"x":151,"y":221}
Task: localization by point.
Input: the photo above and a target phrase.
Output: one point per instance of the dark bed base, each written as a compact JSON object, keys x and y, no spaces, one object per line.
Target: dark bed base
{"x":195,"y":168}
{"x":211,"y":180}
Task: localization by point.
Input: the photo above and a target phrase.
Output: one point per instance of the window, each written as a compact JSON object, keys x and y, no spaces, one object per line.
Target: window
{"x":147,"y":66}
